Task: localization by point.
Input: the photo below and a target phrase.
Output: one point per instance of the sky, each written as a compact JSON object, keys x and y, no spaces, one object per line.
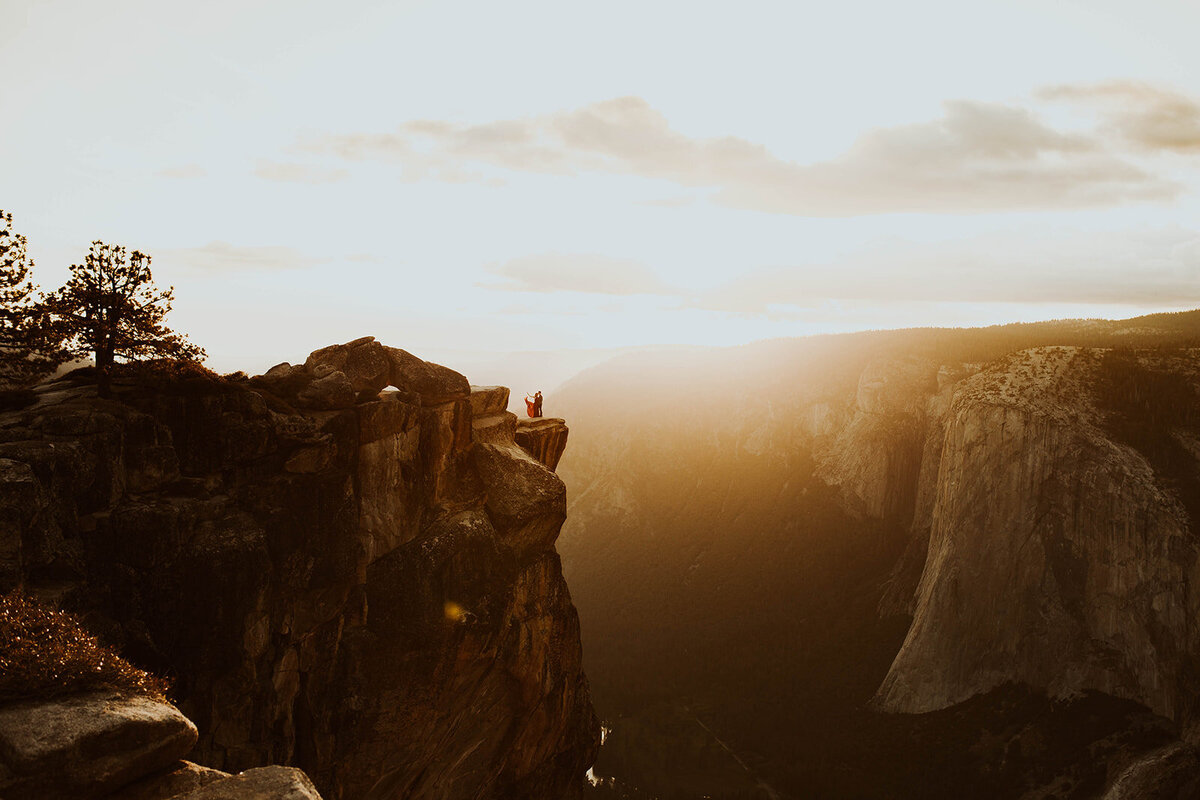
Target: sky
{"x":463,"y":179}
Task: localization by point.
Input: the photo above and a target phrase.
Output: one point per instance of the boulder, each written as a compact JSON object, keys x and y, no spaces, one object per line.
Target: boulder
{"x":434,"y":383}
{"x":178,"y":779}
{"x":283,"y":380}
{"x":85,"y":745}
{"x":544,"y":438}
{"x":264,"y":783}
{"x":328,"y":392}
{"x":364,"y":361}
{"x":526,"y":502}
{"x":488,"y":400}
{"x":494,"y":429}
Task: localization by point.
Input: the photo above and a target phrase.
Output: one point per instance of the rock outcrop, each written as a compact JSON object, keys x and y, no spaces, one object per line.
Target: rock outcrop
{"x":116,"y":746}
{"x":1040,"y":549}
{"x":264,"y":783}
{"x":87,"y":745}
{"x":1058,"y":557}
{"x":544,"y":438}
{"x":876,"y":455}
{"x":360,"y":584}
{"x":179,"y":779}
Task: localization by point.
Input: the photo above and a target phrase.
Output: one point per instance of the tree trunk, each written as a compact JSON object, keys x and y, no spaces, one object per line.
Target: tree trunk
{"x":104,"y":362}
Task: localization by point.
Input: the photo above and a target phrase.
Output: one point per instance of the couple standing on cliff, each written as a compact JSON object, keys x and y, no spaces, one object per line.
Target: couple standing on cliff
{"x":533,"y":404}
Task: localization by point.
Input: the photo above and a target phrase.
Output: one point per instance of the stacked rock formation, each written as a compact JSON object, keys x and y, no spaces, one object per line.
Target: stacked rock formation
{"x":358,"y":582}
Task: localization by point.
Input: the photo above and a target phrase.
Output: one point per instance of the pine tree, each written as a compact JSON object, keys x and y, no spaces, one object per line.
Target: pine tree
{"x":110,"y":309}
{"x":27,"y":348}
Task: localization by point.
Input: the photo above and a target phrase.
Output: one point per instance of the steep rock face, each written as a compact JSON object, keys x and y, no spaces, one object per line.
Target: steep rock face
{"x":876,"y":455}
{"x":360,"y":591}
{"x":709,"y":492}
{"x":544,"y":438}
{"x":1057,"y":557}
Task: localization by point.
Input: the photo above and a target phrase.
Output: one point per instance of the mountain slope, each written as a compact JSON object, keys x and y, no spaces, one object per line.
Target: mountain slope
{"x":748,"y":527}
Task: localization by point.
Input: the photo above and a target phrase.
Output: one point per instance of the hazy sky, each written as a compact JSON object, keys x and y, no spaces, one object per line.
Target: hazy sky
{"x":502,"y":176}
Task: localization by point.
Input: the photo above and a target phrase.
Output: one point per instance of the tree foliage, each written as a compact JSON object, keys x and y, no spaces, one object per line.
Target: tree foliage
{"x":110,"y":308}
{"x":27,"y":349}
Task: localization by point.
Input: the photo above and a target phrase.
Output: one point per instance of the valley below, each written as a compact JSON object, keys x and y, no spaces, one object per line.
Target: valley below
{"x":926,"y":563}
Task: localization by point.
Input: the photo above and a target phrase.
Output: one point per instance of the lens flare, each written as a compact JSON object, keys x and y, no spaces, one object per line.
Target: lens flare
{"x":454,"y":612}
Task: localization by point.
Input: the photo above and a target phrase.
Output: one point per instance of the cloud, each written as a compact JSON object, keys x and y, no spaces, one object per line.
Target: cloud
{"x":187,"y":171}
{"x":1140,"y":114}
{"x":1156,"y":268}
{"x":594,"y":274}
{"x":976,"y":157}
{"x":299,"y":173}
{"x":217,"y":257}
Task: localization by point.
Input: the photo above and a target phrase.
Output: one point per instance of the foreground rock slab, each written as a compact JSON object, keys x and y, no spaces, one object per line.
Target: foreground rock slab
{"x":184,"y":777}
{"x":85,"y":745}
{"x":265,"y":783}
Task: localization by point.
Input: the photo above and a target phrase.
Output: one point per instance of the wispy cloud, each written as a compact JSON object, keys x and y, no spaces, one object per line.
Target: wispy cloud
{"x":1140,"y":114}
{"x":976,"y":157}
{"x":216,"y":257}
{"x":1153,"y":268}
{"x":184,"y":172}
{"x":1159,"y":268}
{"x":575,"y":272}
{"x":299,"y":173}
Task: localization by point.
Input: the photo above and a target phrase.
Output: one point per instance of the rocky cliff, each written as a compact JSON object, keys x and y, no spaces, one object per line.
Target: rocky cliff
{"x":358,"y":582}
{"x":1060,"y":554}
{"x":929,"y":518}
{"x":1043,"y":546}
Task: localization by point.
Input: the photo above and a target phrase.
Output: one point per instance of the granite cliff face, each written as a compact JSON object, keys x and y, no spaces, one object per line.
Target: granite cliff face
{"x":357,"y":583}
{"x":1042,"y":547}
{"x":1059,"y":556}
{"x":996,"y":527}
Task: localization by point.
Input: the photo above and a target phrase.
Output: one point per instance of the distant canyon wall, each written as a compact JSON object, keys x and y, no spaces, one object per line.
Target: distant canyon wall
{"x":1043,"y":547}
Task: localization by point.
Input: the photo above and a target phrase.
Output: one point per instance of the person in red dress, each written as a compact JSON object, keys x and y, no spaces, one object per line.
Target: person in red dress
{"x":533,"y":405}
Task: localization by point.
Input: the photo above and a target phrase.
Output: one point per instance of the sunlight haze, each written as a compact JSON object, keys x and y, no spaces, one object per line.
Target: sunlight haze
{"x":466,"y":179}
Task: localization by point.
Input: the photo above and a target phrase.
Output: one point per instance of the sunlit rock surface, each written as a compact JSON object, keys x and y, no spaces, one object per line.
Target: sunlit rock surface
{"x":1057,"y":557}
{"x":544,"y":438}
{"x":85,"y":746}
{"x":876,"y":456}
{"x":767,"y":512}
{"x":357,"y":586}
{"x":178,"y":779}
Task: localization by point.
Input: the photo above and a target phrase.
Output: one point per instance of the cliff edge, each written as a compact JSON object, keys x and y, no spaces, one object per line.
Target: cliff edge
{"x":347,"y":565}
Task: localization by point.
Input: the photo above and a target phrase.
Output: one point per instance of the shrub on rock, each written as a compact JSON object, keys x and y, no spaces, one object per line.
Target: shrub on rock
{"x":45,"y":653}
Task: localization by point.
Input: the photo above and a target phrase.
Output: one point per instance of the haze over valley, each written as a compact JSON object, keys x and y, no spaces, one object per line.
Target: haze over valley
{"x":411,"y":400}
